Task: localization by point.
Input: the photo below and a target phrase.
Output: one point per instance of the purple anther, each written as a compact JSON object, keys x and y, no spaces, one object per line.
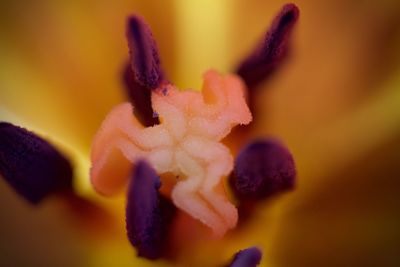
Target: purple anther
{"x":262,"y":169}
{"x":148,"y":214}
{"x":31,"y":165}
{"x":249,"y":257}
{"x":272,"y":50}
{"x":140,"y":97}
{"x":144,"y":58}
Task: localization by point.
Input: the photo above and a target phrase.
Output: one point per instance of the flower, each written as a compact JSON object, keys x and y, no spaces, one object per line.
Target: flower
{"x":340,"y":73}
{"x":185,"y":141}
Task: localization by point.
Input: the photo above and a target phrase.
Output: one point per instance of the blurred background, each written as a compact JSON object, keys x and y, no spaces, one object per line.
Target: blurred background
{"x":335,"y":103}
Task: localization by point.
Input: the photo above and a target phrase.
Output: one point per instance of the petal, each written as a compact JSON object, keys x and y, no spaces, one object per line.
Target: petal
{"x":31,"y":165}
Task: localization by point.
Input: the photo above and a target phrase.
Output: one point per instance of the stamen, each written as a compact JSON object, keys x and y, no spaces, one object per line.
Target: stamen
{"x":144,"y":58}
{"x":249,"y":257}
{"x":144,"y":72}
{"x":263,"y":169}
{"x":140,"y":97}
{"x":148,"y":214}
{"x":272,"y":50}
{"x":31,"y":165}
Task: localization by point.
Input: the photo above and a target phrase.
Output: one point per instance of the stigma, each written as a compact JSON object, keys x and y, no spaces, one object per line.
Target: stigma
{"x":185,"y":143}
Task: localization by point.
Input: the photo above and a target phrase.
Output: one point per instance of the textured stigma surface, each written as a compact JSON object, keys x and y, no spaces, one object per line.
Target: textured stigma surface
{"x":186,"y":143}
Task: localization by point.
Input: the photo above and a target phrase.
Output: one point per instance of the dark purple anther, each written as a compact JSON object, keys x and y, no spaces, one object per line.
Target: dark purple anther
{"x":148,"y":214}
{"x":144,"y":72}
{"x":271,"y":51}
{"x":262,"y":169}
{"x":144,"y":58}
{"x":249,"y":257}
{"x":32,"y":166}
{"x":140,"y":97}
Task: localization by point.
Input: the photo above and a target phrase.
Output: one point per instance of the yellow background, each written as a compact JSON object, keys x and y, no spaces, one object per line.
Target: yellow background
{"x":335,"y":103}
